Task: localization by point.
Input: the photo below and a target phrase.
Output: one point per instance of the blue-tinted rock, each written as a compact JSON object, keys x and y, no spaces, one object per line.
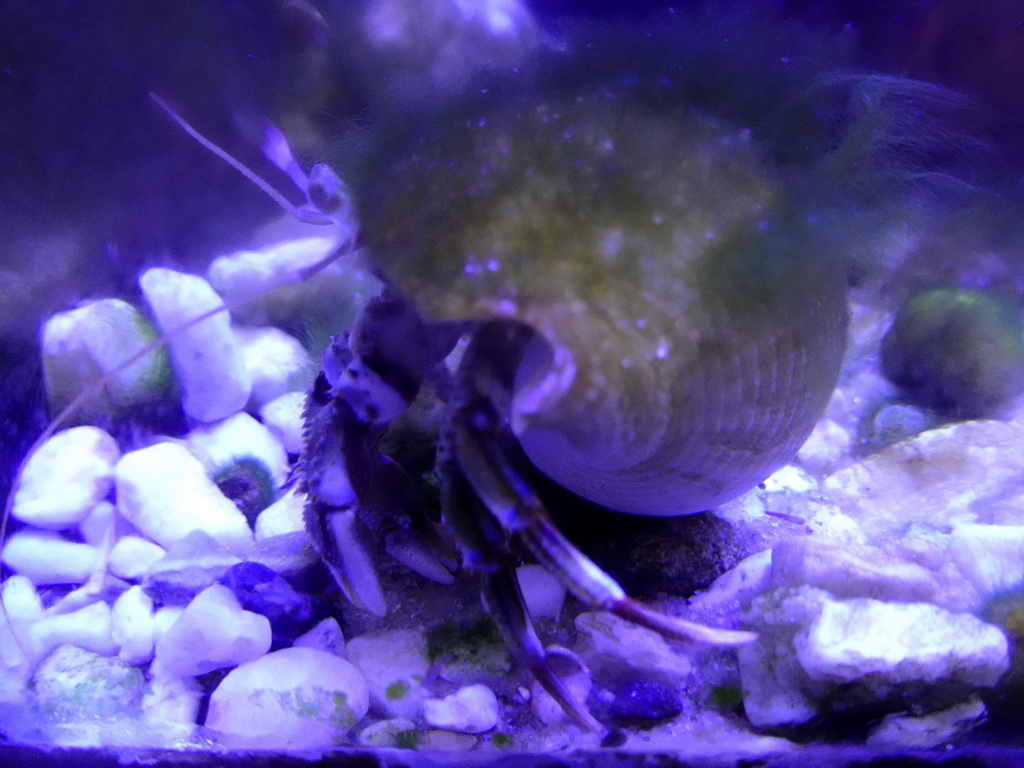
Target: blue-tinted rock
{"x":191,"y":565}
{"x":641,"y":699}
{"x":260,"y":590}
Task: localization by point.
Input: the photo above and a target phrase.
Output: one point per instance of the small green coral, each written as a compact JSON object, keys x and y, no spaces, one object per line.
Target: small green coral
{"x":407,"y":739}
{"x":501,"y":740}
{"x":726,"y":696}
{"x":249,"y":484}
{"x":397,"y":690}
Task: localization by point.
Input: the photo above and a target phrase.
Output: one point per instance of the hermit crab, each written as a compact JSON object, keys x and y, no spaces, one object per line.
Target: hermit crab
{"x":645,"y":318}
{"x":638,"y":308}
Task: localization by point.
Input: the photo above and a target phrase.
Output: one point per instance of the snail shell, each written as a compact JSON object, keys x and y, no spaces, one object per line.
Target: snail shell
{"x":689,"y":327}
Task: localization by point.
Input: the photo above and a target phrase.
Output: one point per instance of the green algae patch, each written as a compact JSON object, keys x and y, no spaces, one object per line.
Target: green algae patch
{"x":469,"y":646}
{"x":397,"y":690}
{"x":407,"y":739}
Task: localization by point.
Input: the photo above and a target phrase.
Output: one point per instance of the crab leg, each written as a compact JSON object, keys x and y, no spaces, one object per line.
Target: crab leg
{"x":490,"y":468}
{"x":484,"y":545}
{"x":509,"y":611}
{"x":359,"y":501}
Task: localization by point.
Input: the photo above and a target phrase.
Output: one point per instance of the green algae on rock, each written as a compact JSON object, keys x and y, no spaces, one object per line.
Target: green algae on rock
{"x":958,"y":351}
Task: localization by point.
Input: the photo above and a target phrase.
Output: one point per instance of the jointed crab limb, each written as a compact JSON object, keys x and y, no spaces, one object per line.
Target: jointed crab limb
{"x":507,"y":608}
{"x":358,"y":501}
{"x":489,"y":463}
{"x":484,"y":545}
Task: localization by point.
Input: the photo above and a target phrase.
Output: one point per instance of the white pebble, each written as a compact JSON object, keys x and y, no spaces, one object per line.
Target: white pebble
{"x":990,"y":556}
{"x":88,"y":628}
{"x":277,"y":363}
{"x":164,"y":619}
{"x":132,"y":626}
{"x":824,"y":450}
{"x":740,"y":584}
{"x":387,"y":734}
{"x":99,"y":525}
{"x":48,"y":558}
{"x":613,"y":646}
{"x":325,"y":636}
{"x":283,"y":417}
{"x":213,"y":632}
{"x":900,"y":642}
{"x":171,"y":699}
{"x":206,"y":356}
{"x":293,"y":698}
{"x":281,"y":517}
{"x":15,"y":666}
{"x":94,"y":340}
{"x":473,"y":709}
{"x":74,"y":684}
{"x":247,"y":276}
{"x":543,"y":593}
{"x":240,"y":437}
{"x":394,"y":665}
{"x":163,"y":491}
{"x":21,"y":608}
{"x":65,"y":478}
{"x":790,"y":478}
{"x":22,"y":605}
{"x":132,"y":556}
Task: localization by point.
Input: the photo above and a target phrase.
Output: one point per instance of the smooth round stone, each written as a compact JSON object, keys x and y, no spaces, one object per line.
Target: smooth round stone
{"x":325,"y":636}
{"x":100,"y":525}
{"x":21,"y":608}
{"x":260,"y":590}
{"x":132,"y":626}
{"x":49,"y":558}
{"x":62,"y":481}
{"x":543,"y":594}
{"x":283,"y":417}
{"x":190,"y":566}
{"x":89,"y":628}
{"x":396,"y":733}
{"x":394,"y":664}
{"x":132,"y":556}
{"x":283,"y":516}
{"x":473,"y":709}
{"x":74,"y":684}
{"x":293,"y":698}
{"x":95,"y":340}
{"x":277,"y":363}
{"x":240,"y":437}
{"x":172,"y":699}
{"x":245,"y":277}
{"x":163,"y":490}
{"x":213,"y":632}
{"x":206,"y":356}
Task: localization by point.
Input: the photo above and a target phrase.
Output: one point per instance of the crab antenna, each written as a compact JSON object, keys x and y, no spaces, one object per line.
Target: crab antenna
{"x":277,"y":151}
{"x":302,"y":214}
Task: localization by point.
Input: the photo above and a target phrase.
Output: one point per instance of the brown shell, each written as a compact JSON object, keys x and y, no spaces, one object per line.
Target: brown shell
{"x":694,"y":327}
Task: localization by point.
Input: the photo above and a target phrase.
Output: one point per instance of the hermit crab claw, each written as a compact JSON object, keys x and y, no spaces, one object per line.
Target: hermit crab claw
{"x":358,"y":501}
